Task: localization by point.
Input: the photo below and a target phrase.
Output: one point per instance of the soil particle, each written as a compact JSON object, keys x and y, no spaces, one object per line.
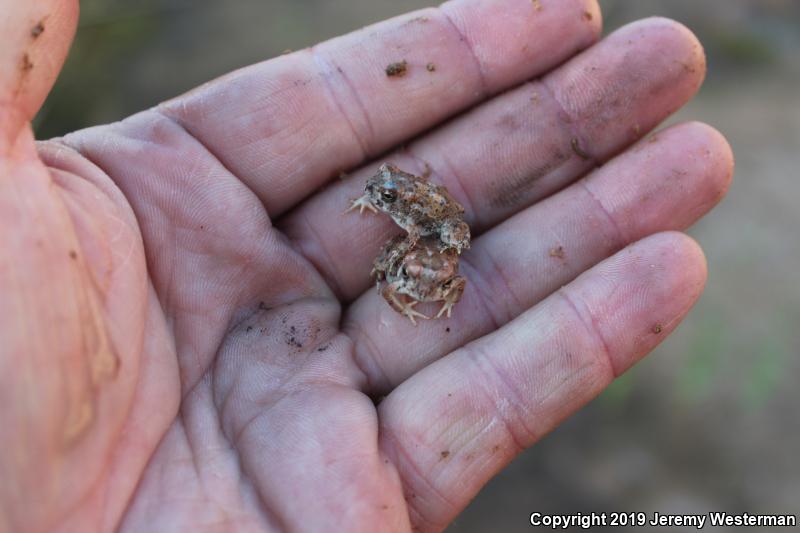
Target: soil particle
{"x":445,"y":454}
{"x":294,"y":342}
{"x":26,"y":65}
{"x":431,"y":67}
{"x":447,"y":329}
{"x":658,"y":328}
{"x":537,"y":5}
{"x":397,"y":70}
{"x":576,"y":147}
{"x":73,"y":254}
{"x":249,"y":329}
{"x":558,"y":252}
{"x":587,"y":16}
{"x":37,"y":30}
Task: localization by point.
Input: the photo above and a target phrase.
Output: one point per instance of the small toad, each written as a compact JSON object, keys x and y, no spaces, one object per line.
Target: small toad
{"x":419,"y":207}
{"x":418,"y":272}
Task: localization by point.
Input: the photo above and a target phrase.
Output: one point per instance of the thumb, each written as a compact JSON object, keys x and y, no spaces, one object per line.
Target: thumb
{"x":55,"y":426}
{"x":36,"y":37}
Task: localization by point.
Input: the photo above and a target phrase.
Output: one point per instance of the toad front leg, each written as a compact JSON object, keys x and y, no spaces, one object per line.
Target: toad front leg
{"x":404,"y":308}
{"x":364,"y":202}
{"x":452,"y":295}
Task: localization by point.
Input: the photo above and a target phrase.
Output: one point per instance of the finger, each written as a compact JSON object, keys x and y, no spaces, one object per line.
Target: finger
{"x":65,"y":399}
{"x":457,"y":423}
{"x":513,"y":151}
{"x":81,"y":272}
{"x":36,"y":38}
{"x":287,"y":125}
{"x":665,"y":183}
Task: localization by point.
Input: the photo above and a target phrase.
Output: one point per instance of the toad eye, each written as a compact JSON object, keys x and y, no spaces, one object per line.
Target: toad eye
{"x":389,"y":195}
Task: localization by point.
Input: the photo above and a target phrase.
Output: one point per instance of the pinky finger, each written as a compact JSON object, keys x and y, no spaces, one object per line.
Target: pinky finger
{"x":458,"y":422}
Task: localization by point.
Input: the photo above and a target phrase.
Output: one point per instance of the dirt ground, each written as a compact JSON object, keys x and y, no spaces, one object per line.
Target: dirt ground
{"x":709,"y":422}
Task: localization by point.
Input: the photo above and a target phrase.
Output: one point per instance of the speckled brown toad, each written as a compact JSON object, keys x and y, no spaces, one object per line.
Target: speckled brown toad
{"x":419,"y":207}
{"x":418,"y":272}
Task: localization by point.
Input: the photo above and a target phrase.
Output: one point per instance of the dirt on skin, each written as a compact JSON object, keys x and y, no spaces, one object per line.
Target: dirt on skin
{"x":37,"y":30}
{"x":397,"y":70}
{"x":576,"y":147}
{"x":27,"y":64}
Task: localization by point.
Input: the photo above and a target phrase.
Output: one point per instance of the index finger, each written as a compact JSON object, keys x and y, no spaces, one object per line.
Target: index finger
{"x":287,"y":125}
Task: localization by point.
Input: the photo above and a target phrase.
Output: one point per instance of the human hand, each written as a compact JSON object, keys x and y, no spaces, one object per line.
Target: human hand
{"x":190,"y":335}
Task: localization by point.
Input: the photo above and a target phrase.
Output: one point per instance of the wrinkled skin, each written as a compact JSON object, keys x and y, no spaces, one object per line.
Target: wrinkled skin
{"x":190,"y":338}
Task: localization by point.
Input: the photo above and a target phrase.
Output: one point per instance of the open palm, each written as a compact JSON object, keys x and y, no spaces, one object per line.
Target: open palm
{"x":191,"y":338}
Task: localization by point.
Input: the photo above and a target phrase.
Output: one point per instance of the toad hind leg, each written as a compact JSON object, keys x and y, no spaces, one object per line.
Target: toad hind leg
{"x":452,"y":296}
{"x":404,"y":308}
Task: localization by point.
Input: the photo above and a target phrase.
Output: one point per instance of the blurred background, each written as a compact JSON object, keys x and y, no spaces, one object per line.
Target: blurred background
{"x":711,"y":421}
